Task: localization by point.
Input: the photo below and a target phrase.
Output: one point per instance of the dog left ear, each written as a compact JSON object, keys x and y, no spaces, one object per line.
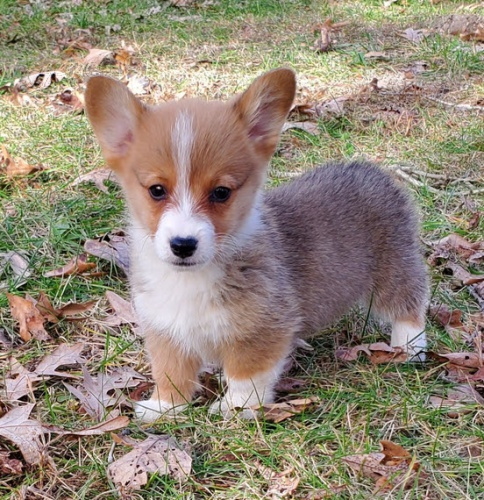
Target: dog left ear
{"x":264,"y":106}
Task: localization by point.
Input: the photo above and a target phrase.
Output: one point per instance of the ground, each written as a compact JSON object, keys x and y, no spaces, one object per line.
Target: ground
{"x":409,"y":100}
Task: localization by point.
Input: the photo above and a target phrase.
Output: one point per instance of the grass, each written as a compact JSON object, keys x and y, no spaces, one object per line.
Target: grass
{"x":214,"y":55}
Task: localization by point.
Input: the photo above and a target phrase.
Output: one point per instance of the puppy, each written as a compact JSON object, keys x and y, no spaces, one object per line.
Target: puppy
{"x":224,"y":272}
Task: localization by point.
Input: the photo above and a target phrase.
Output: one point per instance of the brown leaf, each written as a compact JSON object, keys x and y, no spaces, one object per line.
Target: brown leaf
{"x":378,"y":56}
{"x":378,"y":353}
{"x":71,"y":100}
{"x":309,"y":127}
{"x":392,"y":467}
{"x":9,"y":466}
{"x":277,"y":412}
{"x":454,"y":245}
{"x":458,"y":400}
{"x":156,"y":454}
{"x":443,"y":316}
{"x":31,"y":322}
{"x":98,"y":394}
{"x":113,"y":424}
{"x":414,"y":35}
{"x":112,"y":247}
{"x":19,"y":381}
{"x":123,"y":311}
{"x":73,"y":310}
{"x":19,"y":265}
{"x":462,"y":276}
{"x":280,"y":484}
{"x":77,"y":265}
{"x":15,"y":167}
{"x":98,"y":56}
{"x":39,"y":80}
{"x":290,"y":385}
{"x":64,"y":355}
{"x":464,"y":359}
{"x":23,"y":432}
{"x":98,"y":176}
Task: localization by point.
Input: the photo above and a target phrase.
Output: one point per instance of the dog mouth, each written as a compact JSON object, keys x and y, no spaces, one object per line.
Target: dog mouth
{"x":185,"y":264}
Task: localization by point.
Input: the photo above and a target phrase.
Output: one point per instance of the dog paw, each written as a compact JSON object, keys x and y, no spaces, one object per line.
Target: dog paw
{"x":152,"y":409}
{"x":227,"y":411}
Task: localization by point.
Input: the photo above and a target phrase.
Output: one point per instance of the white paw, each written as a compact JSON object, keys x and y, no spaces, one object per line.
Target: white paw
{"x":152,"y":409}
{"x":228,"y":411}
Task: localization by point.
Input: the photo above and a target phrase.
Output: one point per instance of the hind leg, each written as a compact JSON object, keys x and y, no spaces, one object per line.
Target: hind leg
{"x":409,"y":333}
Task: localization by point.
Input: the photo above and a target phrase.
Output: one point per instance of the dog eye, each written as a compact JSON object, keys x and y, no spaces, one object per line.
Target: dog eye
{"x":157,"y":192}
{"x":220,"y":194}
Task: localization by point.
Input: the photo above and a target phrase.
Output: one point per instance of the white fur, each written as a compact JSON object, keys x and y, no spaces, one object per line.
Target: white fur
{"x":412,"y":338}
{"x":152,"y":409}
{"x":182,"y":223}
{"x":247,"y":394}
{"x":181,"y":304}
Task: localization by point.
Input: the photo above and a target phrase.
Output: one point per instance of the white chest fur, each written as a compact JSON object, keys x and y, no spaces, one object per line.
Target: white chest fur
{"x":183,"y":304}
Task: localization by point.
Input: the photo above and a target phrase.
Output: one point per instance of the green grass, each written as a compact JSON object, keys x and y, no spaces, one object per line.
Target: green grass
{"x":213,"y":56}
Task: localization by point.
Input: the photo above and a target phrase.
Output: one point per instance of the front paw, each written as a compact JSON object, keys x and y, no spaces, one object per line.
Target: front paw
{"x":152,"y":409}
{"x":227,"y":411}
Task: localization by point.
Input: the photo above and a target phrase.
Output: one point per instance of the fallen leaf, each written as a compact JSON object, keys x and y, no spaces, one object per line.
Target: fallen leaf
{"x":110,"y":425}
{"x":19,"y":381}
{"x":290,"y":385}
{"x":463,"y":359}
{"x":333,"y":108}
{"x":378,"y":353}
{"x":98,"y":394}
{"x":392,"y":467}
{"x":156,"y":454}
{"x":19,"y":265}
{"x":98,"y":177}
{"x":279,"y":484}
{"x":71,"y":100}
{"x":123,"y":311}
{"x":442,"y":315}
{"x":98,"y":56}
{"x":415,"y":36}
{"x":77,"y":265}
{"x":451,"y":320}
{"x":454,"y":245}
{"x":309,"y":127}
{"x":112,"y":247}
{"x":64,"y":355}
{"x":277,"y":412}
{"x":458,"y":400}
{"x":379,"y":56}
{"x":73,"y":310}
{"x":15,"y":167}
{"x":139,"y":85}
{"x":461,"y":276}
{"x":16,"y":426}
{"x":31,"y":322}
{"x":9,"y":466}
{"x":39,"y":80}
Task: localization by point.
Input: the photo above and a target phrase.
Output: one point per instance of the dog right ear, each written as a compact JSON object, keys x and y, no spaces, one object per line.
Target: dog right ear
{"x":114,"y":113}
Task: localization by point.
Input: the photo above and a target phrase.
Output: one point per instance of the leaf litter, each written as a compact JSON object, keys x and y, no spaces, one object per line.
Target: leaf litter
{"x":391,"y":468}
{"x":155,"y":455}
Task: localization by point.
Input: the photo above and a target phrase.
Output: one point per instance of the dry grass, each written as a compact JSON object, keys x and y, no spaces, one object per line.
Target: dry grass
{"x":413,"y":120}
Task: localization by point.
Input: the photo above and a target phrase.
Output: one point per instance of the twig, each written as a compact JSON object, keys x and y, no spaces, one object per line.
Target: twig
{"x":414,"y":181}
{"x":463,"y":107}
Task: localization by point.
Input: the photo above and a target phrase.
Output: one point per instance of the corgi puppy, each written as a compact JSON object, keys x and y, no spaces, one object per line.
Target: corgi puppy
{"x":222,"y":271}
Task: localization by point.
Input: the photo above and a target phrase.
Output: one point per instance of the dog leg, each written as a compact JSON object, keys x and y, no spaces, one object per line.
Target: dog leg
{"x":175,"y":375}
{"x":410,"y":335}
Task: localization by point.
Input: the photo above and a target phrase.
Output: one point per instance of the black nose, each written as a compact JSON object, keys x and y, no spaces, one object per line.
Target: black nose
{"x":183,"y":247}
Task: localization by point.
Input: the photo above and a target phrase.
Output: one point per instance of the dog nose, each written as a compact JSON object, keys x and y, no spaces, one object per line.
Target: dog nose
{"x":183,"y":247}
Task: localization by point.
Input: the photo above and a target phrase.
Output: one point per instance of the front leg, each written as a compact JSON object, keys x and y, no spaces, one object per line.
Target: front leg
{"x":175,"y":374}
{"x":251,"y":373}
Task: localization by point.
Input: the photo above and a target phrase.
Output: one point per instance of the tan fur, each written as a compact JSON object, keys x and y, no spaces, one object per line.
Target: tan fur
{"x":276,"y":266}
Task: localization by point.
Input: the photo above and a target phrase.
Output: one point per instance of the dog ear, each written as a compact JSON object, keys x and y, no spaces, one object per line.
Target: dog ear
{"x":114,"y":113}
{"x":264,"y":106}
